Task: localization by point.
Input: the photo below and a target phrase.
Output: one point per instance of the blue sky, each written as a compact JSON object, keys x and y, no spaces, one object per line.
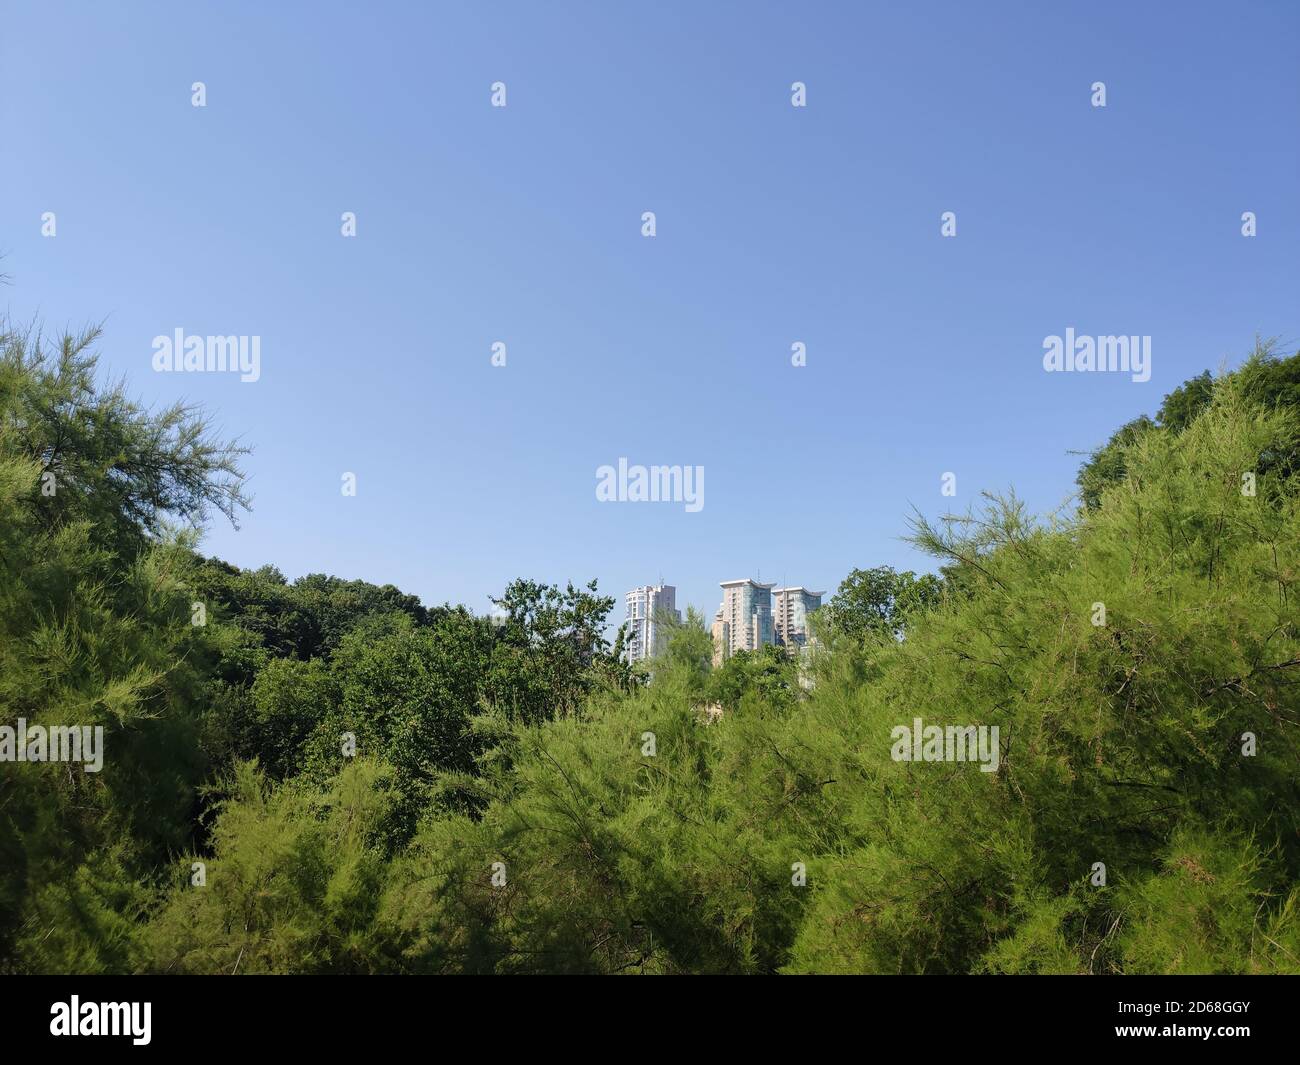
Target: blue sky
{"x":522,"y":224}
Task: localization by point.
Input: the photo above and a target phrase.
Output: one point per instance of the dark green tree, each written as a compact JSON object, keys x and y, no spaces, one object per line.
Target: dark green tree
{"x":880,"y":602}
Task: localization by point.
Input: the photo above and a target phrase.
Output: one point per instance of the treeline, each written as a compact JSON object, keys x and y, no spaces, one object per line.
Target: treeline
{"x":327,"y":776}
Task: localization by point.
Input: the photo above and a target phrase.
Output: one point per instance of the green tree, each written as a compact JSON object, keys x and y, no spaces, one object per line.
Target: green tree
{"x":292,"y":884}
{"x":1266,"y":380}
{"x":548,"y":645}
{"x":95,"y":632}
{"x":880,"y":602}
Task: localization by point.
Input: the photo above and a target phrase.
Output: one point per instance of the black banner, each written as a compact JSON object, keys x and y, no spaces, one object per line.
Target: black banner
{"x":168,"y":1014}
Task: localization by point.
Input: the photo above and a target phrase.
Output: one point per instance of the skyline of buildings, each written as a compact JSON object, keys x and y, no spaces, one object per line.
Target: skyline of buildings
{"x":752,"y":615}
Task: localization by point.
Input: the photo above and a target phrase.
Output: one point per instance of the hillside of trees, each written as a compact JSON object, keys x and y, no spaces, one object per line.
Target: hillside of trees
{"x":327,"y":776}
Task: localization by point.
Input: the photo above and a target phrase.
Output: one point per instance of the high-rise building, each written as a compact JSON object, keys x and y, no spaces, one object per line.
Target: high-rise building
{"x":746,"y":616}
{"x":721,"y":633}
{"x":648,"y":608}
{"x":790,"y":609}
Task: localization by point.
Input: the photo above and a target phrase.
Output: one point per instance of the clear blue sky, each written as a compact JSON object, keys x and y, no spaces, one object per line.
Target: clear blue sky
{"x":775,"y":225}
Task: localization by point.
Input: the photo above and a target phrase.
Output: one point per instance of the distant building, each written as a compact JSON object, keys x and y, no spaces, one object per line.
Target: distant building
{"x":746,"y":616}
{"x":790,"y":610}
{"x":721,"y":633}
{"x":648,"y":609}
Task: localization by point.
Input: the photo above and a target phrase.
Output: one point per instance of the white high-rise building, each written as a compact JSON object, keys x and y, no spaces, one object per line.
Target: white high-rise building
{"x":745,"y":616}
{"x":791,"y":607}
{"x":648,"y":608}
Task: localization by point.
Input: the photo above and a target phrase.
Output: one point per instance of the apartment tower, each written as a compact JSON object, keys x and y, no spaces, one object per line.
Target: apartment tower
{"x":745,"y":616}
{"x":648,"y":608}
{"x":790,"y":610}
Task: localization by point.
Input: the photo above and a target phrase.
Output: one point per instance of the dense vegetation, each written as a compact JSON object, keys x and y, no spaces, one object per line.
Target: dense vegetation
{"x":327,"y":776}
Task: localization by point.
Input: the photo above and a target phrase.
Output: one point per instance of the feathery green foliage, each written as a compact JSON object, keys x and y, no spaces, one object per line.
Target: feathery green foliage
{"x":364,"y":784}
